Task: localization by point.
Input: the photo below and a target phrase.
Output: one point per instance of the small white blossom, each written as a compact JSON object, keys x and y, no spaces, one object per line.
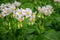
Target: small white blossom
{"x":7,"y":5}
{"x":32,"y":18}
{"x":28,"y":12}
{"x":47,"y":10}
{"x":6,"y":11}
{"x":12,"y":7}
{"x":17,"y":3}
{"x":1,"y":6}
{"x":56,"y":0}
{"x":39,"y":9}
{"x":18,"y":14}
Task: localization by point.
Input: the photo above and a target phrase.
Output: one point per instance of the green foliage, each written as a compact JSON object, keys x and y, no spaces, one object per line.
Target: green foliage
{"x":43,"y":29}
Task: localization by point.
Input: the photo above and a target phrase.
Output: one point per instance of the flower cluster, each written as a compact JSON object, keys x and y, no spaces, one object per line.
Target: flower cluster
{"x":47,"y":10}
{"x":8,"y":8}
{"x":20,"y":14}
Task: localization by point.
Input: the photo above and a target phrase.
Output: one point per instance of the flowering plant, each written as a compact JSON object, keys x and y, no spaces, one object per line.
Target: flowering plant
{"x":30,"y":20}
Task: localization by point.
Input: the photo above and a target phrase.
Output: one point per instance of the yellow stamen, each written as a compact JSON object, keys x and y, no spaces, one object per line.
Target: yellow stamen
{"x":13,"y":8}
{"x":20,"y":12}
{"x":27,"y":13}
{"x":7,"y":11}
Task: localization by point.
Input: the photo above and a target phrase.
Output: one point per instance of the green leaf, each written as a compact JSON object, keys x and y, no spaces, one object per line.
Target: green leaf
{"x":51,"y":35}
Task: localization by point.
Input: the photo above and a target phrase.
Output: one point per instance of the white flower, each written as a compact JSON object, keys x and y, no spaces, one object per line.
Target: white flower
{"x":6,"y":11}
{"x":28,"y":12}
{"x":12,"y":7}
{"x":2,"y":6}
{"x":44,"y":9}
{"x":39,"y":9}
{"x":17,"y":3}
{"x":57,"y":0}
{"x":18,"y":13}
{"x":32,"y":18}
{"x":7,"y":5}
{"x":47,"y":10}
{"x":49,"y":6}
